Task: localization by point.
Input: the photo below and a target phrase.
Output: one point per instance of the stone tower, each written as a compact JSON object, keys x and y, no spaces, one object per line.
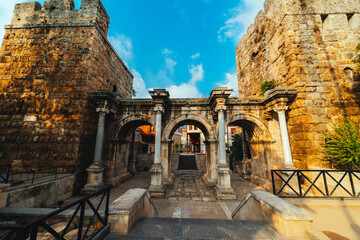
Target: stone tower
{"x":308,"y":45}
{"x":52,"y":56}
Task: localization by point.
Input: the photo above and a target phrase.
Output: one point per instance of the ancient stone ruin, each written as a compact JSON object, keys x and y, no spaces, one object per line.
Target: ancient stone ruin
{"x":52,"y":56}
{"x":66,"y":95}
{"x":65,"y":101}
{"x":309,"y":46}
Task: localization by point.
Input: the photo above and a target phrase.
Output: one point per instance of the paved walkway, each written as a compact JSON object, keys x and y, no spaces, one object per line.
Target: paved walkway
{"x":188,"y":197}
{"x":165,"y":228}
{"x":188,"y":193}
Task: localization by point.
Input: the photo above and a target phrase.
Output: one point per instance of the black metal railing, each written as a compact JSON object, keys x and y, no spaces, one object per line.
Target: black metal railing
{"x":7,"y":175}
{"x":97,"y":221}
{"x":316,"y":183}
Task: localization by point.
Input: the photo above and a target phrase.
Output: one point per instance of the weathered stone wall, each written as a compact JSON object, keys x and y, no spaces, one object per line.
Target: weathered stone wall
{"x":307,"y":45}
{"x":52,"y":56}
{"x":41,"y":194}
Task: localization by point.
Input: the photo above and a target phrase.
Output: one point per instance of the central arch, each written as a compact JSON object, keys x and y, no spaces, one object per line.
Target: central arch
{"x":210,"y":156}
{"x":204,"y":125}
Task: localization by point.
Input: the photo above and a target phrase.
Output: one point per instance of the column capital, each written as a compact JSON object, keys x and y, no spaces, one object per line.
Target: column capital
{"x":104,"y":110}
{"x":220,"y":108}
{"x":159,"y":109}
{"x":280,"y":109}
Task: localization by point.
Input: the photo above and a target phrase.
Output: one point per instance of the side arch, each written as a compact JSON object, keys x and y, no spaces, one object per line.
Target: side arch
{"x":131,"y":121}
{"x":258,"y":129}
{"x":205,"y":126}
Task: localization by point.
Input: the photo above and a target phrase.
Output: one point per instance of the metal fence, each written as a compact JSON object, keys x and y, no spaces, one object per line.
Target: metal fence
{"x":316,"y":183}
{"x":77,"y":222}
{"x":7,"y":175}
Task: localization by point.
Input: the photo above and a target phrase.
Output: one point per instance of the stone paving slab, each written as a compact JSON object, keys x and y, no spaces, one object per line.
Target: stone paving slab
{"x":169,"y":228}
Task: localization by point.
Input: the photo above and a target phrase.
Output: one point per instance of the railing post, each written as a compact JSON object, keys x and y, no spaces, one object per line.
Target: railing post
{"x":8,"y":174}
{"x":325,"y":183}
{"x":299,"y":182}
{"x":352,"y":184}
{"x":34,"y":232}
{"x":81,"y":220}
{"x":273,"y":181}
{"x":107,"y":205}
{"x":20,"y":234}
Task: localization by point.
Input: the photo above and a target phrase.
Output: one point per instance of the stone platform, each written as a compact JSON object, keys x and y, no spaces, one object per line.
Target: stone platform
{"x":189,"y":185}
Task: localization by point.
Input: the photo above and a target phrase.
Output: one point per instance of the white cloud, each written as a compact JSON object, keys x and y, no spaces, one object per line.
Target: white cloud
{"x":241,"y":18}
{"x":185,"y":90}
{"x":195,"y":56}
{"x":6,"y":11}
{"x":166,"y":52}
{"x":197,"y":73}
{"x":123,"y":46}
{"x":189,"y":90}
{"x":231,"y":82}
{"x":170,"y":64}
{"x":139,"y":85}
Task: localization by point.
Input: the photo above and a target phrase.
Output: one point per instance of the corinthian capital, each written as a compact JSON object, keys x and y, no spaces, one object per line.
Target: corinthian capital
{"x":159,"y":109}
{"x":280,"y":109}
{"x":219,"y":108}
{"x":102,"y":110}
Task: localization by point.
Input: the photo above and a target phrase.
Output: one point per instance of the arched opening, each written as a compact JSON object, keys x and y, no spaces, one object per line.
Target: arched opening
{"x":249,"y":147}
{"x":131,"y":151}
{"x":188,"y":146}
{"x":238,"y":137}
{"x":188,"y":156}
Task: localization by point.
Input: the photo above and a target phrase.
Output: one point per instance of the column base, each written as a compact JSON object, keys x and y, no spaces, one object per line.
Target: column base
{"x":95,"y":180}
{"x":225,"y":193}
{"x":224,"y":190}
{"x":156,"y":189}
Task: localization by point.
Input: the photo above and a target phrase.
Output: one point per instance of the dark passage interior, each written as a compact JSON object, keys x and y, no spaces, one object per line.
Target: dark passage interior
{"x":187,"y":162}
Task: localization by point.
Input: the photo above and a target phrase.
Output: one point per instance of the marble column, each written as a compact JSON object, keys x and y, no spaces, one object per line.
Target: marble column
{"x":156,"y":188}
{"x":284,"y":135}
{"x":223,"y":189}
{"x":95,"y":171}
{"x":222,"y":150}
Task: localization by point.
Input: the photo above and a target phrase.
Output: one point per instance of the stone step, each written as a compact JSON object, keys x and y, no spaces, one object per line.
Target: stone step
{"x":185,"y":228}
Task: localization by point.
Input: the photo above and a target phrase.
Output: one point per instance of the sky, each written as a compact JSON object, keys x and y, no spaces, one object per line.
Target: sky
{"x":184,"y":46}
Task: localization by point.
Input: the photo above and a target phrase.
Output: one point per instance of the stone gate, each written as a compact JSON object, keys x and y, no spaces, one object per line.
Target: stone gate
{"x":262,"y":118}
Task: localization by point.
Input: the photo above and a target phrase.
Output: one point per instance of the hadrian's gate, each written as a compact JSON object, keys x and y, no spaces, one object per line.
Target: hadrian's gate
{"x":263,"y":120}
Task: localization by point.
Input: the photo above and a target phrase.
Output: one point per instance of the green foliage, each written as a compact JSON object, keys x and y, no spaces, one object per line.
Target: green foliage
{"x":236,"y":151}
{"x":92,"y":223}
{"x":357,"y":58}
{"x":267,"y":85}
{"x":342,"y":144}
{"x":133,"y":92}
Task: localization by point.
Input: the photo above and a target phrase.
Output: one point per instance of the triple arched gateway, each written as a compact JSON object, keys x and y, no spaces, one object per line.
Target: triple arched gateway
{"x":262,"y":119}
